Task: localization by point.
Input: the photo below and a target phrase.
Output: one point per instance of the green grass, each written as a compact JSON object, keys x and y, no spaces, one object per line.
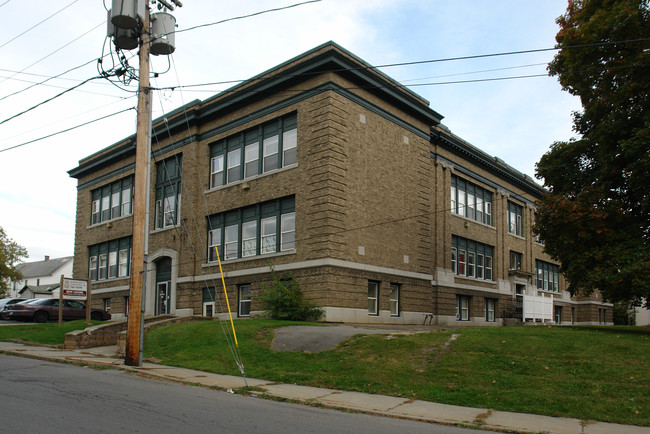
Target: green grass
{"x":588,"y":373}
{"x":49,"y":333}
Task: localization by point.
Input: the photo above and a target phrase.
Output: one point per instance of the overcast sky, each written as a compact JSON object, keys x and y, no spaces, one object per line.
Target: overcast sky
{"x":516,"y":120}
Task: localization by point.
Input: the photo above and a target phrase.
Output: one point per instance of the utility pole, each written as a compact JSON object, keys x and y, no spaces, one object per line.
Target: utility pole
{"x":140,"y":225}
{"x":156,"y":36}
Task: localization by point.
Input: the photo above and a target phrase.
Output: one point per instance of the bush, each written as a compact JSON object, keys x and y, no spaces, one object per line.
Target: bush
{"x":283,"y":299}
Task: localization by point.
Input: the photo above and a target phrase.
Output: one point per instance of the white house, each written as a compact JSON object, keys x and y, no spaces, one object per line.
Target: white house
{"x":41,"y":279}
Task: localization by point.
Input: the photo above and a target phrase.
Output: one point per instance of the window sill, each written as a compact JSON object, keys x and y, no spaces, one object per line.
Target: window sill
{"x":249,"y":258}
{"x":516,"y":236}
{"x":105,"y":222}
{"x":158,"y":230}
{"x":474,"y":279}
{"x":111,"y":280}
{"x":252,"y":178}
{"x":467,"y":219}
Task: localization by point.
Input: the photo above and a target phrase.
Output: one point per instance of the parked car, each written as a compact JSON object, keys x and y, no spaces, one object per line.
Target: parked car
{"x":43,"y":309}
{"x":6,"y":302}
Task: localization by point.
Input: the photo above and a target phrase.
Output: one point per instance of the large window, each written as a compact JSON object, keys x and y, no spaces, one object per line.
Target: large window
{"x":112,"y":201}
{"x":471,"y":201}
{"x":168,"y":192}
{"x":515,"y":219}
{"x":260,"y":229}
{"x":548,"y":276}
{"x":258,"y":150}
{"x":462,"y":308}
{"x":373,"y":297}
{"x":110,"y":260}
{"x":470,"y":258}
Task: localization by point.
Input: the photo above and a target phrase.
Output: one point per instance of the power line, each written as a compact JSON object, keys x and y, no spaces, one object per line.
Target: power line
{"x":49,"y":99}
{"x":38,"y":24}
{"x":46,"y":80}
{"x":67,"y":129}
{"x":418,"y":62}
{"x":54,"y":86}
{"x":55,"y":51}
{"x":247,"y":16}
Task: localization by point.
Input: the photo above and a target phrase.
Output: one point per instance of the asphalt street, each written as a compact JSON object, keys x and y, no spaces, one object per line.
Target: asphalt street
{"x":44,"y":397}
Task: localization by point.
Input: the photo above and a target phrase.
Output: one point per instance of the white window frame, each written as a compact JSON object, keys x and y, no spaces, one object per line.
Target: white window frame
{"x":490,"y":308}
{"x":249,"y":238}
{"x":112,"y":264}
{"x":462,"y":307}
{"x":92,"y":269}
{"x":95,"y":212}
{"x":231,"y":244}
{"x":268,"y":240}
{"x":126,"y":201}
{"x":251,"y":160}
{"x":105,"y":210}
{"x":123,"y":266}
{"x":216,"y":171}
{"x":287,"y":231}
{"x":214,"y":233}
{"x":271,"y":152}
{"x":234,"y":165}
{"x":373,"y":298}
{"x":471,"y":264}
{"x":454,"y":259}
{"x":462,"y":262}
{"x":480,"y":265}
{"x":244,"y":300}
{"x":116,"y":205}
{"x":290,"y":147}
{"x":103,"y":259}
{"x":394,"y":298}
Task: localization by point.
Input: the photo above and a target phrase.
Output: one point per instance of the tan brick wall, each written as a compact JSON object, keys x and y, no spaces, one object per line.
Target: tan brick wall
{"x":366,"y":192}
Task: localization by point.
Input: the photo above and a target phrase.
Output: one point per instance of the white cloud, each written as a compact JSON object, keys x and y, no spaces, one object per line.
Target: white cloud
{"x":515,"y":120}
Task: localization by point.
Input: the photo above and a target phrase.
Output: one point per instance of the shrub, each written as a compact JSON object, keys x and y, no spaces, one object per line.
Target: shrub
{"x":283,"y":299}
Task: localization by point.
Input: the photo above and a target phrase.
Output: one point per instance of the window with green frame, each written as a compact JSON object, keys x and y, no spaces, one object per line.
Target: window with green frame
{"x":260,"y":229}
{"x":168,"y":192}
{"x":515,"y":219}
{"x":110,"y":260}
{"x":471,"y":258}
{"x":548,"y":276}
{"x":112,"y":201}
{"x":471,"y":201}
{"x":255,"y":151}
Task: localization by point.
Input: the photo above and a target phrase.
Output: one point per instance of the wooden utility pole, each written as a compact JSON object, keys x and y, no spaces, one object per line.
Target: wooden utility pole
{"x":133,"y":355}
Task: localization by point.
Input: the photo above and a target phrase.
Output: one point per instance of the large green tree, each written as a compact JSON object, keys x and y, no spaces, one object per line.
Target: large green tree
{"x":595,"y":218}
{"x":11,"y":253}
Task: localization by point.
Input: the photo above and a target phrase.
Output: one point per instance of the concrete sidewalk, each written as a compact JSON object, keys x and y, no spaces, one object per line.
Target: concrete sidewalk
{"x":362,"y":402}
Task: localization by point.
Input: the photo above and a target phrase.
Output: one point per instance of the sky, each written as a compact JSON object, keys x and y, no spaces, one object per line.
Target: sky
{"x":515,"y":119}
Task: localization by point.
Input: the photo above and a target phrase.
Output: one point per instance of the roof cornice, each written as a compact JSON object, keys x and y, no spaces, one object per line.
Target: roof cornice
{"x":494,"y":165}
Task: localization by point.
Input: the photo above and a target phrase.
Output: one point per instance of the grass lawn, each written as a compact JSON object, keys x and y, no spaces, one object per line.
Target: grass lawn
{"x":48,"y":333}
{"x":589,"y":373}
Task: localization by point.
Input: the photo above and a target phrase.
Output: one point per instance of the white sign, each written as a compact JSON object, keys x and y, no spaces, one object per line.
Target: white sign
{"x":75,"y":289}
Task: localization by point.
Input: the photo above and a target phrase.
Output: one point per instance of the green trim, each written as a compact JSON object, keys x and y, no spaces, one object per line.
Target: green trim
{"x":335,"y":59}
{"x":103,"y":178}
{"x":470,"y":173}
{"x":492,"y":164}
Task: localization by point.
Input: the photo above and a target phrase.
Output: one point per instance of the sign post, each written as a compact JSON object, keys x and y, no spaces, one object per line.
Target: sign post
{"x":74,"y":289}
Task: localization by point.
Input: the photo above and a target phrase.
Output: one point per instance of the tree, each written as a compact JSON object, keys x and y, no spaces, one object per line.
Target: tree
{"x":595,"y":217}
{"x":283,"y":300}
{"x":10,"y":255}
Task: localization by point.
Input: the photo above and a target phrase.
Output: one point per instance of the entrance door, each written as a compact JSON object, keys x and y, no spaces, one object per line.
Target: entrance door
{"x":162,"y":299}
{"x":163,"y":286}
